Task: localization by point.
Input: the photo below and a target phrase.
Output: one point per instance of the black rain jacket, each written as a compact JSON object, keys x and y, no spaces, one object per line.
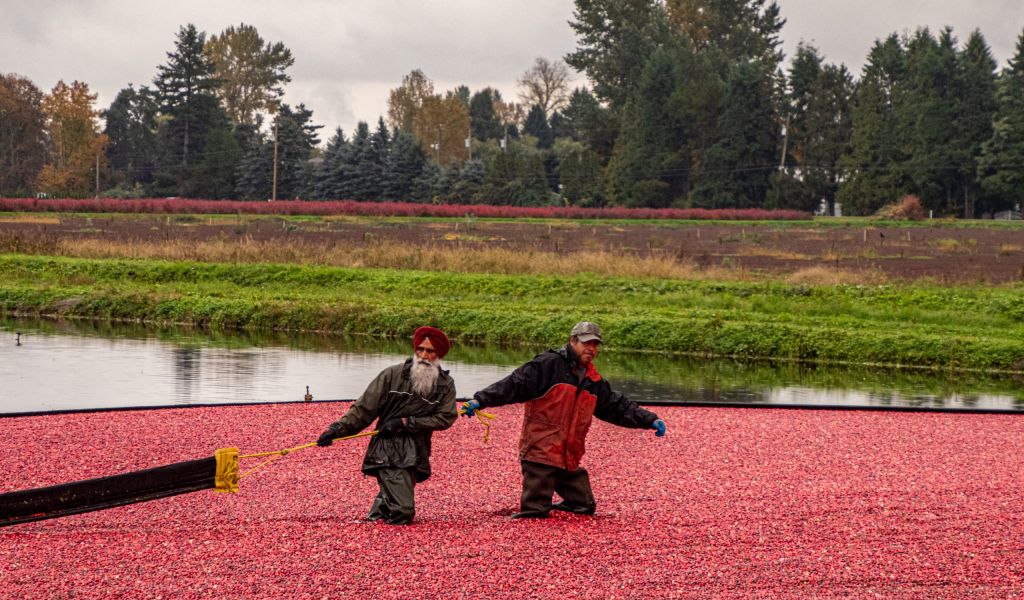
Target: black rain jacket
{"x":390,"y":396}
{"x":560,"y":407}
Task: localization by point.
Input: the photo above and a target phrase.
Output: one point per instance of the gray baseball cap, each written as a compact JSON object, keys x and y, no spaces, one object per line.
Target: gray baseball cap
{"x":586,"y":331}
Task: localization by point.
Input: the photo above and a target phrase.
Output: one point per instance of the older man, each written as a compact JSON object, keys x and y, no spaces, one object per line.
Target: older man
{"x":410,"y":401}
{"x":563,"y":392}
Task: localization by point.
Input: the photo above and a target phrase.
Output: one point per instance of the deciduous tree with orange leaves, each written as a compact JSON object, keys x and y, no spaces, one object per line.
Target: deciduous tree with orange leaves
{"x":250,"y":73}
{"x":76,"y":144}
{"x":22,"y":139}
{"x":442,"y":126}
{"x":440,"y":123}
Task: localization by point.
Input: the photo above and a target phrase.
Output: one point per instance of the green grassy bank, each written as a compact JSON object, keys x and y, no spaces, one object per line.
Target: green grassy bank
{"x":953,"y":328}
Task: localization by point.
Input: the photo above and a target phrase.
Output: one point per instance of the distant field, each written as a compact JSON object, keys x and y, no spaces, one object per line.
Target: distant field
{"x":801,"y":252}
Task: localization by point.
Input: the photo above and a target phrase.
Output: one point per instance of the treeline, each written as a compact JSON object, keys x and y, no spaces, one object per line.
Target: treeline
{"x":705,"y":115}
{"x":690,"y":107}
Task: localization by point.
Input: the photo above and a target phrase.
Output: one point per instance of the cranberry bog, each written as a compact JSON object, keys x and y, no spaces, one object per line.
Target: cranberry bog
{"x":769,"y":503}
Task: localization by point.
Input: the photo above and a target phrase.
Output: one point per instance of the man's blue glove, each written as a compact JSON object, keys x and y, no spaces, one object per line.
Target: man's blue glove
{"x":470,"y":408}
{"x":658,"y":427}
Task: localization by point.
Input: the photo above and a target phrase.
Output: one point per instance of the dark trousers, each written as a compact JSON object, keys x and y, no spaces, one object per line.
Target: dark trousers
{"x":395,"y":502}
{"x":541,"y":481}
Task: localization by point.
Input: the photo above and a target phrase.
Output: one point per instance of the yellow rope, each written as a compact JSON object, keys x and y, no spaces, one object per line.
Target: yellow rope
{"x":276,"y":454}
{"x":485,"y":419}
{"x":227,"y":476}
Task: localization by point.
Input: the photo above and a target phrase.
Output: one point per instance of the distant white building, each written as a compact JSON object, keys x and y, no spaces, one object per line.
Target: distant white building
{"x":822,"y":210}
{"x":1008,"y":215}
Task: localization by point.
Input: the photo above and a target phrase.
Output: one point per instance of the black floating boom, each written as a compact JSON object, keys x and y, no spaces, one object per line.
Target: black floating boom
{"x":107,"y":492}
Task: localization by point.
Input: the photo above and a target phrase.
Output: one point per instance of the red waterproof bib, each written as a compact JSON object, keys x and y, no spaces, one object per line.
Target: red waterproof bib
{"x":555,"y":425}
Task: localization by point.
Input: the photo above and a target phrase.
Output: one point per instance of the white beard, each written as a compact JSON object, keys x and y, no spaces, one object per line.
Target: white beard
{"x":424,"y":375}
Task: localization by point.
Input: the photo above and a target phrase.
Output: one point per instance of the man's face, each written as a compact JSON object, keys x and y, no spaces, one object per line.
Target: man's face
{"x":587,"y":351}
{"x":425,"y":351}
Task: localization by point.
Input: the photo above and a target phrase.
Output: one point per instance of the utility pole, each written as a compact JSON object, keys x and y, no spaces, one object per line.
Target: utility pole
{"x":97,"y":174}
{"x":3,"y":121}
{"x":60,"y":152}
{"x":273,"y":192}
{"x":785,"y":142}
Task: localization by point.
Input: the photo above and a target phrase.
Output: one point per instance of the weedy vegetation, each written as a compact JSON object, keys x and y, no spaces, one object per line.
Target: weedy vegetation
{"x":955,"y":328}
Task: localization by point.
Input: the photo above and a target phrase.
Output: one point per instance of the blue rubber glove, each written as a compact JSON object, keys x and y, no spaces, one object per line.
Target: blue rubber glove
{"x":658,"y":427}
{"x":471,"y":407}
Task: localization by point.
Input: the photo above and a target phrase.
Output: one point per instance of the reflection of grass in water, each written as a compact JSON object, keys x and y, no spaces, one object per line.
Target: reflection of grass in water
{"x":314,"y":342}
{"x":691,"y":373}
{"x":675,"y":372}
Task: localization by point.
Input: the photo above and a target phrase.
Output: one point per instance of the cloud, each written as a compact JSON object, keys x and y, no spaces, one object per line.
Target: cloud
{"x":349,"y":53}
{"x":844,"y":31}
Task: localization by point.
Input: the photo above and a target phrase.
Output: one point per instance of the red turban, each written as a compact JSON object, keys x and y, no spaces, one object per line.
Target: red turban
{"x":437,"y":338}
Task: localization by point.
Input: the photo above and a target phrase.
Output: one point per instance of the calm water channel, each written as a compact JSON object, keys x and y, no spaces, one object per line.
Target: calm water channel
{"x":54,"y":366}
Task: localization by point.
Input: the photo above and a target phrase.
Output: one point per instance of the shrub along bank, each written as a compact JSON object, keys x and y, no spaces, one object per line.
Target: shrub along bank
{"x":953,"y":328}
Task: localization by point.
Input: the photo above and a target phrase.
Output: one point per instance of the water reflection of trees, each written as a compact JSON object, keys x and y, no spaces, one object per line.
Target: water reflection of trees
{"x":652,"y":374}
{"x":884,"y":386}
{"x":187,"y":362}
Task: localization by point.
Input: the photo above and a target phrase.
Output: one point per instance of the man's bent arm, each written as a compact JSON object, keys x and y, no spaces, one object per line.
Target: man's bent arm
{"x":519,"y":386}
{"x":443,"y":418}
{"x":365,"y":409}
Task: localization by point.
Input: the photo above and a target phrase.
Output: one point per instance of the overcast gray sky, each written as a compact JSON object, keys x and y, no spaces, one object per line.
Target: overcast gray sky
{"x":349,"y":53}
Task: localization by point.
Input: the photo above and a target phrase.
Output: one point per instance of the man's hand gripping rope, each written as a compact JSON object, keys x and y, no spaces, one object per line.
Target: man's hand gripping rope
{"x":472,"y":409}
{"x":227,"y":458}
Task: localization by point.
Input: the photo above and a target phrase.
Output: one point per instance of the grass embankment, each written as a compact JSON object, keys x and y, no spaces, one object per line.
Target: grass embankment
{"x":955,"y":328}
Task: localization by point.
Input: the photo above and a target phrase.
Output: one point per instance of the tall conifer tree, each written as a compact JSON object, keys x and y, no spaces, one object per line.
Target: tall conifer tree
{"x":483,"y":120}
{"x":738,"y":166}
{"x":1001,"y":166}
{"x":403,"y":167}
{"x":977,"y":103}
{"x":329,"y":176}
{"x":185,"y":87}
{"x":650,"y":165}
{"x":926,"y":115}
{"x":131,"y":126}
{"x":827,"y":126}
{"x":615,"y":39}
{"x":536,"y":124}
{"x":874,"y":162}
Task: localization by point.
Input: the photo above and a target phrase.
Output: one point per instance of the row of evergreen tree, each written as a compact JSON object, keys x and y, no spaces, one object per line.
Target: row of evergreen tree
{"x":690,"y":105}
{"x":705,"y":115}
